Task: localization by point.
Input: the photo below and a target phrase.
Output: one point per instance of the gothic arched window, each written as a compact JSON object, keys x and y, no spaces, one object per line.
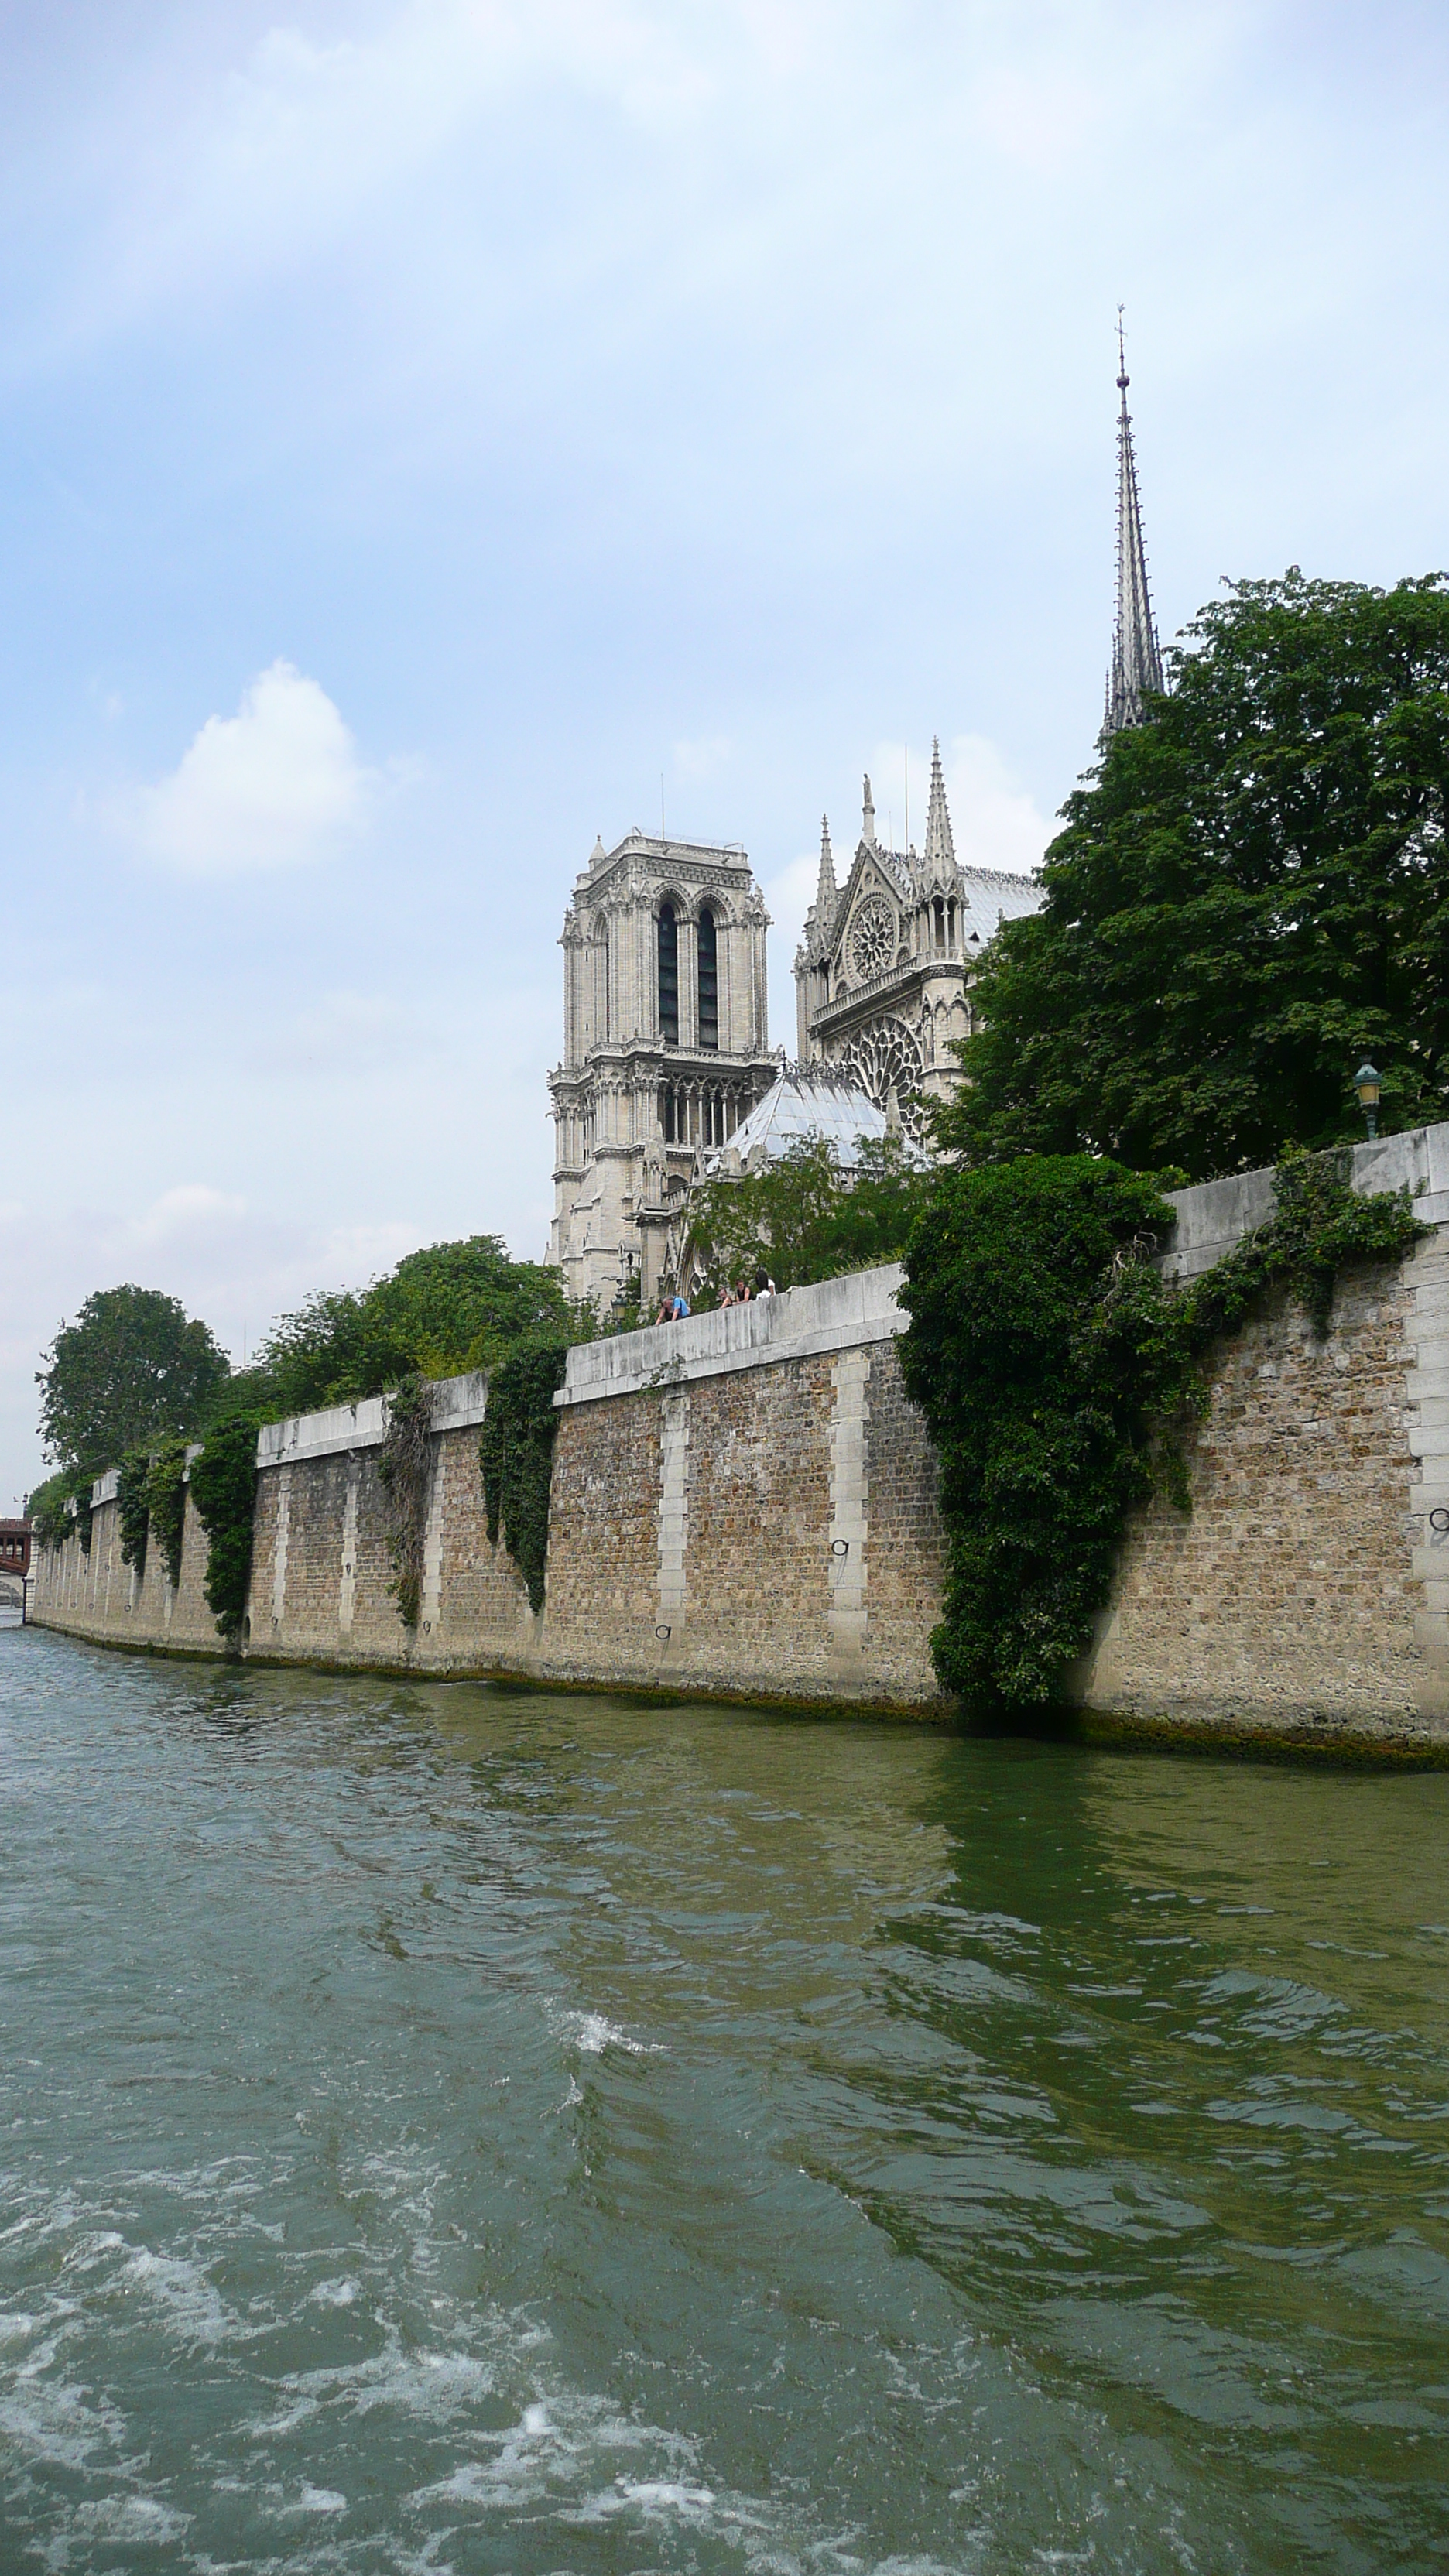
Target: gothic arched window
{"x":668,"y":975}
{"x":602,"y":973}
{"x":708,"y":982}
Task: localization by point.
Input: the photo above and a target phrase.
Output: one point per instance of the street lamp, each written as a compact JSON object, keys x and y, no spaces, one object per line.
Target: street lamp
{"x":1366,"y":1084}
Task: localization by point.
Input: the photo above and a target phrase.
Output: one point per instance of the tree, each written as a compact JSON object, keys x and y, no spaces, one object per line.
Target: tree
{"x":806,"y":1216}
{"x":129,"y":1370}
{"x":1250,"y":896}
{"x":452,"y":1307}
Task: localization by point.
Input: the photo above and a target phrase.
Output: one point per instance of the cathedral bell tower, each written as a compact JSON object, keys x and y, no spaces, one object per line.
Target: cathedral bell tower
{"x":666,"y":1048}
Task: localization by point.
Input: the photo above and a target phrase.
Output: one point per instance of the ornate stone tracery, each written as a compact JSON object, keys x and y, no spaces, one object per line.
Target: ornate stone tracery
{"x":884,"y":1058}
{"x":884,"y":969}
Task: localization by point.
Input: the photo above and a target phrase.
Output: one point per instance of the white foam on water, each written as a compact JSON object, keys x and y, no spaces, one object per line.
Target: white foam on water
{"x":184,"y":2294}
{"x":54,"y":2418}
{"x":655,"y":2497}
{"x":320,"y":2500}
{"x":134,"y":2521}
{"x":436,"y":2386}
{"x":592,"y":2032}
{"x":550,"y":2453}
{"x":333,"y":2294}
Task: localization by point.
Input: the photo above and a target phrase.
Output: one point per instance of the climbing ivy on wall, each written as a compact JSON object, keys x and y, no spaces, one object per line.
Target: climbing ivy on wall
{"x":132,"y":1511}
{"x":166,"y":1504}
{"x":515,"y":1456}
{"x":1057,"y":1370}
{"x":405,"y":1468}
{"x":223,"y":1488}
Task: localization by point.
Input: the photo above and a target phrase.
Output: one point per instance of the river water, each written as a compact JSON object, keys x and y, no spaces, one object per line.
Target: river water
{"x":450,"y":2129}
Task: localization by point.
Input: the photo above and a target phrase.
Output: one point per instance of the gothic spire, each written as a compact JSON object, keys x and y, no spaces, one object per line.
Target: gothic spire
{"x":826,"y":890}
{"x":867,"y":821}
{"x":938,"y":860}
{"x":1136,"y":661}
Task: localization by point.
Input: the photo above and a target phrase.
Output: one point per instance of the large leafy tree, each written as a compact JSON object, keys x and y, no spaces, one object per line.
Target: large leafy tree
{"x":451,"y":1307}
{"x":1250,"y":896}
{"x":805,"y":1216}
{"x":131,"y":1368}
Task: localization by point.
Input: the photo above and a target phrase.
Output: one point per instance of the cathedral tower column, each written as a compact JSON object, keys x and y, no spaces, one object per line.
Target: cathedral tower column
{"x":688,"y":980}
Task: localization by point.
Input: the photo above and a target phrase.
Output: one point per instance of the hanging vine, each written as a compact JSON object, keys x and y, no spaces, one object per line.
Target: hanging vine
{"x":405,"y":1471}
{"x":166,"y":1504}
{"x":1057,"y":1371}
{"x":132,"y":1511}
{"x":223,"y":1488}
{"x":515,"y":1456}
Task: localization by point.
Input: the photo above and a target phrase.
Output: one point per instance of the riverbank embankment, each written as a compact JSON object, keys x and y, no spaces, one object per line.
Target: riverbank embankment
{"x":746,"y":1504}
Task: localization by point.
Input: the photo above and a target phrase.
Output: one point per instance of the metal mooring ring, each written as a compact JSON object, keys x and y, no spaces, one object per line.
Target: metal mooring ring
{"x":1439,"y":1520}
{"x":663,"y":1636}
{"x":840,"y":1547}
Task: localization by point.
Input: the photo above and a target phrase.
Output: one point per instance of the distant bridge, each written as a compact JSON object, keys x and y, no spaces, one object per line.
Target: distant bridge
{"x":14,"y":1564}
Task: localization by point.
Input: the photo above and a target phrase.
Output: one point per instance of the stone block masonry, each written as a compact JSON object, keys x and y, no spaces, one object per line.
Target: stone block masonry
{"x":747,"y":1503}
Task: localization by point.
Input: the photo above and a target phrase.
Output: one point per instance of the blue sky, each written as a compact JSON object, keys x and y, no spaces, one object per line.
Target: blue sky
{"x":425,"y":425}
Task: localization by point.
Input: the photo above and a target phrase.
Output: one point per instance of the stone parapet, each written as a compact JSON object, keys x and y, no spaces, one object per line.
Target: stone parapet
{"x":746,"y":1503}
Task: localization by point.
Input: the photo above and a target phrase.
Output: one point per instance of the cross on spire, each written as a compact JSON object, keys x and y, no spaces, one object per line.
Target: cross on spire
{"x":1136,"y":660}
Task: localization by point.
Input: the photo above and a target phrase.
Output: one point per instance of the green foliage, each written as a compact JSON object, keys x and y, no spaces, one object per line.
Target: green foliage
{"x":165,"y":1492}
{"x":804,"y":1217}
{"x":1055,"y":1368}
{"x":405,"y":1470}
{"x":48,"y":1509}
{"x":515,"y":1455}
{"x":452,"y":1307}
{"x":1249,"y":897}
{"x":223,"y":1488}
{"x":1319,"y":1225}
{"x":132,"y":1510}
{"x":129,"y":1370}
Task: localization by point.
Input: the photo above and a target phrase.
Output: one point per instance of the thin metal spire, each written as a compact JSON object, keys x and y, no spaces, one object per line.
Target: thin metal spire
{"x":1136,"y":659}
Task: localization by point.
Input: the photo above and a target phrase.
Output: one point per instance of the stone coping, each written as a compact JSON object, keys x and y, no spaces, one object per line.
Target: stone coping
{"x":835,"y":1315}
{"x":458,"y":1402}
{"x":1215,"y":1215}
{"x":106,"y":1487}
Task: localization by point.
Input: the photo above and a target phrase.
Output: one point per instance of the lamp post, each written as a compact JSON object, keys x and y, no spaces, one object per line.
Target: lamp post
{"x":1366,"y":1084}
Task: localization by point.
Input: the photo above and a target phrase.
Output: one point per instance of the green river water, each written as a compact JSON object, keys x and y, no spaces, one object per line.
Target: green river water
{"x":448,"y":2129}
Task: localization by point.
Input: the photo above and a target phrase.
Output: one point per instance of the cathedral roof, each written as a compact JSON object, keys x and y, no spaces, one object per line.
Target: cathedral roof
{"x":990,"y":896}
{"x":807,"y":1100}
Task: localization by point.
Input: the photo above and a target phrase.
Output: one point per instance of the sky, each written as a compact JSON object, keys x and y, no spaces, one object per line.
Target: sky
{"x":433,"y":432}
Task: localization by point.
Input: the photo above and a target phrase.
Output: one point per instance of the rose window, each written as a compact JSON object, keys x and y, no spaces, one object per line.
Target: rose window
{"x":873,"y":937}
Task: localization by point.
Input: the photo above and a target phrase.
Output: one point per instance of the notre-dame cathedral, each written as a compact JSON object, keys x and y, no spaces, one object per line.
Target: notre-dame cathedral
{"x":666,"y":1023}
{"x":667,"y":1068}
{"x":666,"y":1048}
{"x":883,"y":974}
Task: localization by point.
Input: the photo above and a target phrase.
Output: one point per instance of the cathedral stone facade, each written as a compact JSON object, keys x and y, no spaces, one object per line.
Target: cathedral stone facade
{"x":666,"y":1048}
{"x":666,"y":1026}
{"x":884,"y":971}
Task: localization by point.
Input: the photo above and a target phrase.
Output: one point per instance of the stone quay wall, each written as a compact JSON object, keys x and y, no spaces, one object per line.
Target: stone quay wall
{"x":746,"y":1503}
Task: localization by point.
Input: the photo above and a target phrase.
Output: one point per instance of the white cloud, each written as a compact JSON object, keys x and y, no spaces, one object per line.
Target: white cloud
{"x":275,"y":786}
